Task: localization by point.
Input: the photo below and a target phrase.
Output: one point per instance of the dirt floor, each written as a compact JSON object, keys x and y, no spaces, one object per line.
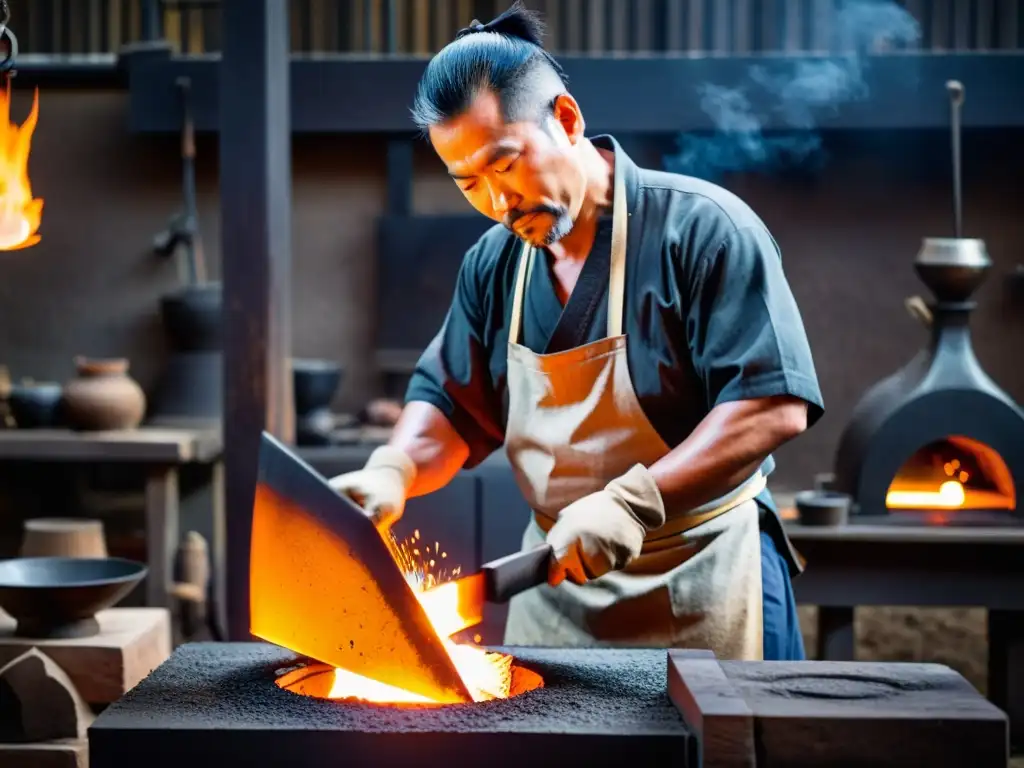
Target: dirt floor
{"x":953,"y":636}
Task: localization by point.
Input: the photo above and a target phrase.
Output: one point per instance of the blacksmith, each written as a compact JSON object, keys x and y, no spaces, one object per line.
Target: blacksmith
{"x":629,"y":336}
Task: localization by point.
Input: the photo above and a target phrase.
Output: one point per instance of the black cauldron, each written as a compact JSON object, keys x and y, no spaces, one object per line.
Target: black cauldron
{"x":192,"y":381}
{"x":314,"y":383}
{"x":192,"y":318}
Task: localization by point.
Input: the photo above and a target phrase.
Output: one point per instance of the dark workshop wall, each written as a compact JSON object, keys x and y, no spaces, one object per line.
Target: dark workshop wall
{"x":848,"y":238}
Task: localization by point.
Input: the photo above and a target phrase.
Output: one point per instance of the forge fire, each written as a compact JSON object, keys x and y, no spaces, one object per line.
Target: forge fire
{"x":956,"y":473}
{"x":20,"y":213}
{"x":488,"y":675}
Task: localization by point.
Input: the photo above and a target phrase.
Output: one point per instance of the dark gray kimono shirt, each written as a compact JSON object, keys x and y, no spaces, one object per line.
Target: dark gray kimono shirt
{"x":708,"y":314}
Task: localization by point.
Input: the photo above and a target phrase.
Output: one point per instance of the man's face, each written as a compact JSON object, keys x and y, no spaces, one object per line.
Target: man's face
{"x":525,"y":175}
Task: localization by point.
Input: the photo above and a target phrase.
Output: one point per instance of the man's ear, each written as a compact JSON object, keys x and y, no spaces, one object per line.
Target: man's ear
{"x":567,"y":112}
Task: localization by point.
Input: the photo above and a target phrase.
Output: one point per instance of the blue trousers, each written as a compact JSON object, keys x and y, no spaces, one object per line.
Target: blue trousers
{"x":782,"y":638}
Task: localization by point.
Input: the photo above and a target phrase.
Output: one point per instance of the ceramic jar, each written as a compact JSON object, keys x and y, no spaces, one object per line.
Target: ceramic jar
{"x":103,"y":396}
{"x":63,"y":537}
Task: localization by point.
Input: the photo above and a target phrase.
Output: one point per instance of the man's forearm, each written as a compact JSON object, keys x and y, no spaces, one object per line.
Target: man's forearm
{"x":424,"y":433}
{"x":726,"y":448}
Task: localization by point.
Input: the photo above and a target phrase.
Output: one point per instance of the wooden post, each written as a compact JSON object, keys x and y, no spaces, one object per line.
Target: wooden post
{"x":255,"y":182}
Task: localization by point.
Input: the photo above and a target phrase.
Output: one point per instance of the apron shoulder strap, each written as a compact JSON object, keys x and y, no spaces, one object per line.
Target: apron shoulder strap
{"x":516,"y":321}
{"x":617,"y":269}
{"x":586,"y":295}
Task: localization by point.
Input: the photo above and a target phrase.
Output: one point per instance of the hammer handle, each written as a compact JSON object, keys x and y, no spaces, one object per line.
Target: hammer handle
{"x":506,"y":577}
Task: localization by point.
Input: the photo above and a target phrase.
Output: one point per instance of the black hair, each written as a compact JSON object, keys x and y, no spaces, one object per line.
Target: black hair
{"x":505,"y":56}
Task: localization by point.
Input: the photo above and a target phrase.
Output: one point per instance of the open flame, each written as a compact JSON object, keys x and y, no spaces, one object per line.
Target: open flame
{"x":20,"y":213}
{"x":487,"y":675}
{"x":949,"y":495}
{"x":935,"y":479}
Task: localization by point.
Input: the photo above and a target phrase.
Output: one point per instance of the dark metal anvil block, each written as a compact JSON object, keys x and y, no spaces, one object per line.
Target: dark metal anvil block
{"x":835,"y":713}
{"x":217,"y":704}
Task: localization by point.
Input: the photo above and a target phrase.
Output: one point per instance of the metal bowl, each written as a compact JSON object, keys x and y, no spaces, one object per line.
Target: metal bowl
{"x":58,"y":597}
{"x":35,"y":406}
{"x":822,"y":507}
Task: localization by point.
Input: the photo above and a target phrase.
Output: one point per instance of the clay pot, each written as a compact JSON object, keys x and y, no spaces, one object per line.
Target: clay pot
{"x":63,"y":537}
{"x":103,"y":396}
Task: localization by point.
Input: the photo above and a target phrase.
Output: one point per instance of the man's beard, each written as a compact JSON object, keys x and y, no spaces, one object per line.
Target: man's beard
{"x":560,"y":227}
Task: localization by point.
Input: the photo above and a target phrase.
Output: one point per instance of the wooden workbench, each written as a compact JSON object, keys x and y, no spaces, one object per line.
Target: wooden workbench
{"x":874,"y":564}
{"x":161,"y":452}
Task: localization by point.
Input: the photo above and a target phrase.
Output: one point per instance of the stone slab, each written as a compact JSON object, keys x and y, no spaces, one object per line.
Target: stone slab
{"x":840,"y":713}
{"x":713,"y":708}
{"x":143,"y":445}
{"x":65,"y":753}
{"x":132,"y":643}
{"x":216,"y":704}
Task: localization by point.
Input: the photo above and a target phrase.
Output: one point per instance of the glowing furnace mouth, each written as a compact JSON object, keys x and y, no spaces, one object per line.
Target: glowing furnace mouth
{"x":321,"y":681}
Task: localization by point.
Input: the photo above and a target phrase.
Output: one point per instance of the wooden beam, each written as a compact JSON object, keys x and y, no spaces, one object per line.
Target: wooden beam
{"x":255,"y":192}
{"x":628,"y":94}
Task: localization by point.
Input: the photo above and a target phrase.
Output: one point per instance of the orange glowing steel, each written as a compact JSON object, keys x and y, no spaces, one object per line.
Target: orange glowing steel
{"x":20,"y":213}
{"x":487,"y":675}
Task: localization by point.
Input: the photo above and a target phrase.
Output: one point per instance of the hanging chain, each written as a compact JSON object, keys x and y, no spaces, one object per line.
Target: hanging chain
{"x":11,"y":52}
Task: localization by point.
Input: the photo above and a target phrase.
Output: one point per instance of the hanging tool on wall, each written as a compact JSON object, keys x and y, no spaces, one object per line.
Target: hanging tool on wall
{"x":183,"y":231}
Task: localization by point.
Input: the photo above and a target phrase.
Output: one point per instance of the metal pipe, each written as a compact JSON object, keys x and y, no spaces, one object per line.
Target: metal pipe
{"x":956,"y":100}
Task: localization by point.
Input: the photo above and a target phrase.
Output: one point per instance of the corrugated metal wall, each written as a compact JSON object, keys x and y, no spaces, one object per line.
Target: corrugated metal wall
{"x":419,"y":27}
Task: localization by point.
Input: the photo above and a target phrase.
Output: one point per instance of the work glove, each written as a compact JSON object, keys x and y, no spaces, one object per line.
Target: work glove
{"x":604,"y":531}
{"x":381,"y":487}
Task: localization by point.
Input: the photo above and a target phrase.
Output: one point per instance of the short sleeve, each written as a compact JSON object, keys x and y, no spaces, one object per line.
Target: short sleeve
{"x":453,"y":373}
{"x":746,"y":336}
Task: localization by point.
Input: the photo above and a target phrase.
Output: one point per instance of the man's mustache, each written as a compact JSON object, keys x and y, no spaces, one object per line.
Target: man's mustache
{"x":513,"y":216}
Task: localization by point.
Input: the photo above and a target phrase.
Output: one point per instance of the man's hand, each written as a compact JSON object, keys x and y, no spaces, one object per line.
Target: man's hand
{"x":381,"y":486}
{"x":604,"y":531}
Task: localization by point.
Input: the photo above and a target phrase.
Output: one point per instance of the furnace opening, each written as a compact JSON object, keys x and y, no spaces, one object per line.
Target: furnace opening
{"x":321,"y":681}
{"x":955,"y":473}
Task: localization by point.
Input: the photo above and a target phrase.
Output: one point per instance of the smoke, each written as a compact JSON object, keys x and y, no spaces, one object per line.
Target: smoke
{"x":795,"y":94}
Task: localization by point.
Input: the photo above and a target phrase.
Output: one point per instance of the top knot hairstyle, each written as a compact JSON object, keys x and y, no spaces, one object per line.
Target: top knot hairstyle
{"x":505,"y":56}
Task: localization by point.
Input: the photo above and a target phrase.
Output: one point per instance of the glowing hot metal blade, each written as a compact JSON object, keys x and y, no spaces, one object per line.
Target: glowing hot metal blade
{"x":324,"y":584}
{"x":496,"y":582}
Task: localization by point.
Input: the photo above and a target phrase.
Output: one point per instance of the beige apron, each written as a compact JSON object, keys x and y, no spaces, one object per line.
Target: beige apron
{"x":574,"y":424}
